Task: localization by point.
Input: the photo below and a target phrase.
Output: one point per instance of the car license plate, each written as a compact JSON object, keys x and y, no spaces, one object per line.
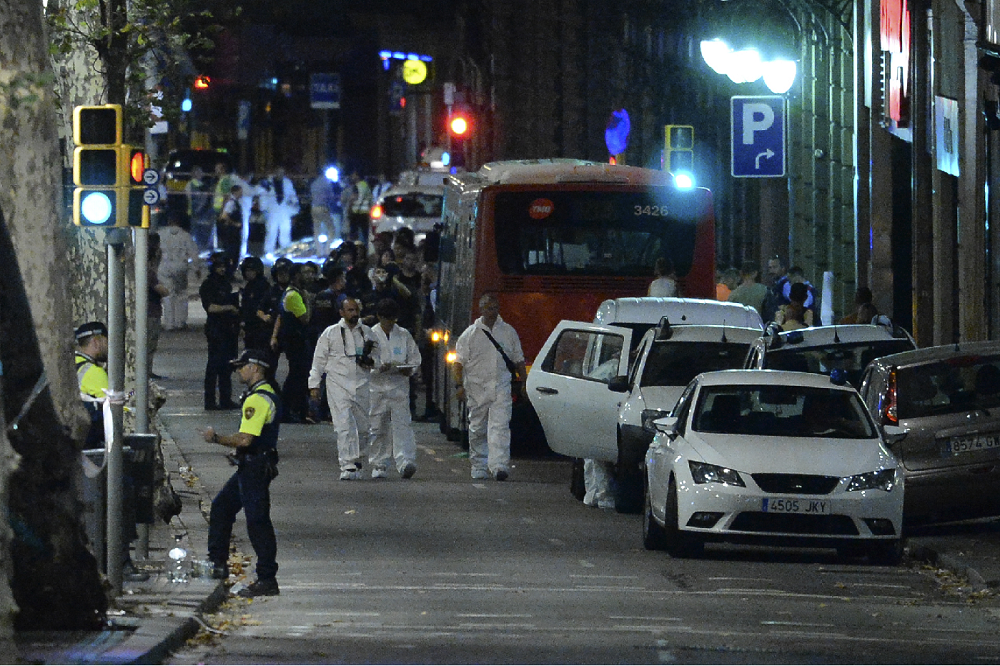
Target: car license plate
{"x":972,"y":443}
{"x":807,"y":506}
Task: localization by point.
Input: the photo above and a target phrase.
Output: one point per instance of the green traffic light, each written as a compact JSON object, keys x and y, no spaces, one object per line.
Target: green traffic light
{"x":96,"y":208}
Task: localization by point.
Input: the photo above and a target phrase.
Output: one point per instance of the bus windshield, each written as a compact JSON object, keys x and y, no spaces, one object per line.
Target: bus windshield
{"x":609,"y":233}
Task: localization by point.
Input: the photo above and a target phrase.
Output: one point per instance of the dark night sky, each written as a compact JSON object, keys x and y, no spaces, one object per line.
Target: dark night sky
{"x":328,"y":17}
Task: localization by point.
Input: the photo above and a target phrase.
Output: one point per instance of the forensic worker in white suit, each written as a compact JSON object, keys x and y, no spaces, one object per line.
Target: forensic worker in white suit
{"x":344,"y":354}
{"x":489,"y":355}
{"x":396,"y":357}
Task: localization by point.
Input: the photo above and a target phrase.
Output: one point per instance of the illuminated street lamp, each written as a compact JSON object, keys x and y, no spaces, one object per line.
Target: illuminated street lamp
{"x":747,"y":66}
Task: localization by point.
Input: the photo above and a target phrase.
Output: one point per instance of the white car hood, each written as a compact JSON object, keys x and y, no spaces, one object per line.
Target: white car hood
{"x":790,"y":455}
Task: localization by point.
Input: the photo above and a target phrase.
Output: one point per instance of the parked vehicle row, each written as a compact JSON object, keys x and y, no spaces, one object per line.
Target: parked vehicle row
{"x":724,"y":432}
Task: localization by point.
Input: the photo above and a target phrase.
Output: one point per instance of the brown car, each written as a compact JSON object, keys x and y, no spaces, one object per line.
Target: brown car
{"x":948,"y":399}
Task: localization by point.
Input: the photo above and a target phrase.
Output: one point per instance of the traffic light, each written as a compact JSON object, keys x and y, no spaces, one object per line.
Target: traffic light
{"x":679,"y":149}
{"x":106,"y":172}
{"x":98,"y":165}
{"x":459,"y":125}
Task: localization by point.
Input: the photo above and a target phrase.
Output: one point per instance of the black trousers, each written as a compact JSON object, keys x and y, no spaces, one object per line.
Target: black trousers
{"x":217,"y":371}
{"x":295,"y":390}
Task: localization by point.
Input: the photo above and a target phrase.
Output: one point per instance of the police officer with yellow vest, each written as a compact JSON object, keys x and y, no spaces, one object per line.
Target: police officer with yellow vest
{"x":90,"y":356}
{"x":256,"y":453}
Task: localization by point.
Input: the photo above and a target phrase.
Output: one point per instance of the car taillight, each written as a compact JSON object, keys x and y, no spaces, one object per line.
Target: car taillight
{"x":889,"y":416}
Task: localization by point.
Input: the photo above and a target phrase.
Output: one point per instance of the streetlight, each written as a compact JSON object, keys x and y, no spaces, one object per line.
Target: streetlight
{"x":747,"y":66}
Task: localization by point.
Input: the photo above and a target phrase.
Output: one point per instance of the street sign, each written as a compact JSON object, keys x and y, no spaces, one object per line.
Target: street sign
{"x":150,"y":196}
{"x":758,"y":136}
{"x":151,"y":176}
{"x":324,"y":91}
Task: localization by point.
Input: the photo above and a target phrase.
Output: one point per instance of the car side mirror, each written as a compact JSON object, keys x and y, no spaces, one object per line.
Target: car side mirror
{"x":667,"y":425}
{"x":894,"y":434}
{"x":618,"y":384}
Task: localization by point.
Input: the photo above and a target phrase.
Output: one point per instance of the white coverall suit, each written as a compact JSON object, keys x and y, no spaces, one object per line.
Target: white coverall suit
{"x":487,"y":393}
{"x":279,"y":214}
{"x":391,"y":429}
{"x":347,"y":387}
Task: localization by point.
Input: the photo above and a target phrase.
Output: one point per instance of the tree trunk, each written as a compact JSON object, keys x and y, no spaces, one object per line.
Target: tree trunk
{"x":55,"y":578}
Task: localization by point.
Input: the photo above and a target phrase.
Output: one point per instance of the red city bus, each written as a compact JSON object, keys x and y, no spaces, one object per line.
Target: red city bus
{"x":553,"y":239}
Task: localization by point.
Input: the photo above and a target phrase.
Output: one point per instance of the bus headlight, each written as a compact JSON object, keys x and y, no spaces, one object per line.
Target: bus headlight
{"x":451,"y":357}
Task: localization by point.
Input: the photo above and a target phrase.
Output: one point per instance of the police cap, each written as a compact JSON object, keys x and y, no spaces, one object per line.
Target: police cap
{"x":84,"y":331}
{"x":255,"y":356}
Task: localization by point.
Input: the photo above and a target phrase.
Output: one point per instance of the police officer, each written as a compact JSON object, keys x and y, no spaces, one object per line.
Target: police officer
{"x":289,"y":336}
{"x":256,"y":307}
{"x":256,"y":446}
{"x":90,"y":356}
{"x":222,"y":329}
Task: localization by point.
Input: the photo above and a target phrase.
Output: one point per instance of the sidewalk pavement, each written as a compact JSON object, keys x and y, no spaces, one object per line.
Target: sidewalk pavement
{"x":153,"y":618}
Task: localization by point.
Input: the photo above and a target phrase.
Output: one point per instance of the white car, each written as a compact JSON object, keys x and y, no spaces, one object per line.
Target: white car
{"x":417,"y":207}
{"x":823,"y":349}
{"x":576,"y":384}
{"x":784,"y":457}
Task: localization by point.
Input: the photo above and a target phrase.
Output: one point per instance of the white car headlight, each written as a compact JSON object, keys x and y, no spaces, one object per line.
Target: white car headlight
{"x":650,"y":415}
{"x":705,"y":473}
{"x":883,"y":479}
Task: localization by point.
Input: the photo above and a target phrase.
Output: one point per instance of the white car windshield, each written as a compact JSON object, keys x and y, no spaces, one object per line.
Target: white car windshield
{"x":672,"y":363}
{"x":850,"y":357}
{"x":782,"y":411}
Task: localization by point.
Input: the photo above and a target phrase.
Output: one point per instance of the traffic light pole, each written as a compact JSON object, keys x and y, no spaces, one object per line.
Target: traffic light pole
{"x":141,"y":237}
{"x":116,"y":385}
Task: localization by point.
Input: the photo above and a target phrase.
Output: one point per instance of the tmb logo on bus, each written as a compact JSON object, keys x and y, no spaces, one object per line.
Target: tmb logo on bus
{"x":540,"y":209}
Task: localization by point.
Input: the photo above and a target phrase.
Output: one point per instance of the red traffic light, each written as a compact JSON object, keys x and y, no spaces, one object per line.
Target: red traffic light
{"x":458,"y":125}
{"x":137,"y":165}
{"x":202,"y":82}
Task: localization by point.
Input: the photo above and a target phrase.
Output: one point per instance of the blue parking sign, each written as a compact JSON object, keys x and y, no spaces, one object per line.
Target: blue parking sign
{"x":758,"y":136}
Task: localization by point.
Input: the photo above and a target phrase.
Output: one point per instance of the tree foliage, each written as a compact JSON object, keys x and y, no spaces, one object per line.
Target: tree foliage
{"x":136,"y":45}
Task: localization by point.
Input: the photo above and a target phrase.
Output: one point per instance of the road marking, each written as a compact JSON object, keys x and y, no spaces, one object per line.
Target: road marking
{"x":460,"y":573}
{"x":493,"y":615}
{"x":602,"y":576}
{"x":780,"y":623}
{"x":623,"y":618}
{"x":586,"y":564}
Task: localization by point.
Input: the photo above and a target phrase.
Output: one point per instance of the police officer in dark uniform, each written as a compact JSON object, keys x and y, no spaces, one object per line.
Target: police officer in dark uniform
{"x":222,"y":328}
{"x":256,"y":453}
{"x":289,"y":337}
{"x":256,"y":305}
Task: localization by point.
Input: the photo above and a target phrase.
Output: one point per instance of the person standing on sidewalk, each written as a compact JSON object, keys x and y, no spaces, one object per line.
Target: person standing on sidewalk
{"x":489,"y":357}
{"x":344,"y":354}
{"x":222,"y":329}
{"x":396,"y":357}
{"x":249,"y":488}
{"x":92,"y":376}
{"x":179,"y":254}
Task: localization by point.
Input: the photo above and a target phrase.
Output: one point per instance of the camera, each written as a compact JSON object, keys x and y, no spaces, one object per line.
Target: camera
{"x":365,"y":360}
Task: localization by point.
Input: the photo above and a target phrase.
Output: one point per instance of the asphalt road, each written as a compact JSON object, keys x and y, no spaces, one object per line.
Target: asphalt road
{"x":444,"y":569}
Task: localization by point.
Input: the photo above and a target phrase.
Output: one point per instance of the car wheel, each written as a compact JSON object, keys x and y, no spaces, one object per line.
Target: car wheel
{"x":653,"y":534}
{"x":886,"y":553}
{"x":577,"y":483}
{"x":628,"y":484}
{"x":678,"y":544}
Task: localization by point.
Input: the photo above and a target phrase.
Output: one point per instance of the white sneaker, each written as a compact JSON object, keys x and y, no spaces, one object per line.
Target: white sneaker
{"x":349,"y":474}
{"x":479,"y":474}
{"x":379,"y":473}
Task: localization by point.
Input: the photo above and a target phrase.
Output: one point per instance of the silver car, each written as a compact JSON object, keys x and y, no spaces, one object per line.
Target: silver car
{"x":948,"y":399}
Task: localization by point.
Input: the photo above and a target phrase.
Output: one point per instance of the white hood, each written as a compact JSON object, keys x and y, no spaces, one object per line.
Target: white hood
{"x":791,"y":455}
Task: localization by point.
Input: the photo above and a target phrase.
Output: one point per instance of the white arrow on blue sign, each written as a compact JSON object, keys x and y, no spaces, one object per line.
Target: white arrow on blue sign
{"x":758,"y":136}
{"x":324,"y":91}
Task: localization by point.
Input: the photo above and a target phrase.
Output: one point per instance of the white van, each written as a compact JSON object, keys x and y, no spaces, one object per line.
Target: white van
{"x":577,"y":382}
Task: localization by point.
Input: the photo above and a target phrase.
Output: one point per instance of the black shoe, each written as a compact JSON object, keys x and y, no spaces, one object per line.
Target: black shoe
{"x":220,"y":571}
{"x":133,"y":575}
{"x":262,"y":588}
